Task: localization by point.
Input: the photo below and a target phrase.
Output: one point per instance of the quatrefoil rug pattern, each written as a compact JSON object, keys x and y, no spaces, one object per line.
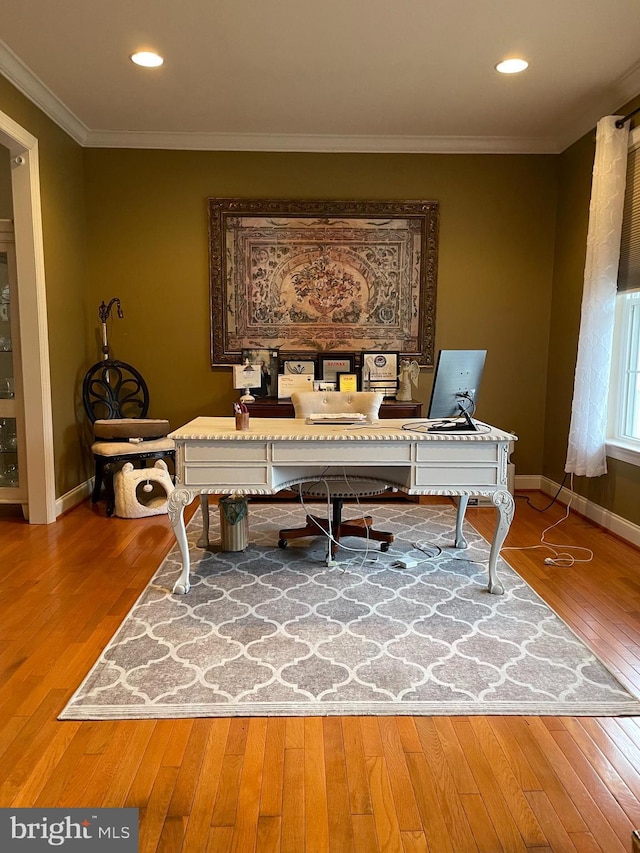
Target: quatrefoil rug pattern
{"x":276,"y":632}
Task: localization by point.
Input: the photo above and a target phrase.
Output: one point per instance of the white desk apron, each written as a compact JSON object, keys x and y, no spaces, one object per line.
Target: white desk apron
{"x":212,"y":457}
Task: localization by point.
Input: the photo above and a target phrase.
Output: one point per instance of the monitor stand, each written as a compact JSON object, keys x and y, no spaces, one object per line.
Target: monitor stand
{"x":467,"y":425}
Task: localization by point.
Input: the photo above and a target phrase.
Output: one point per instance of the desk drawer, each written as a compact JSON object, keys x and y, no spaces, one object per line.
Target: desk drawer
{"x":225,"y":451}
{"x":456,"y":452}
{"x":436,"y":475}
{"x":342,"y":452}
{"x":226,"y":475}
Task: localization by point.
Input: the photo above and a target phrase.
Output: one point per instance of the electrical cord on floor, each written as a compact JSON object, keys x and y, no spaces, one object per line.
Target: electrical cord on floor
{"x":405,"y":562}
{"x":564,"y":556}
{"x":549,"y":505}
{"x":331,"y":563}
{"x":400,"y":559}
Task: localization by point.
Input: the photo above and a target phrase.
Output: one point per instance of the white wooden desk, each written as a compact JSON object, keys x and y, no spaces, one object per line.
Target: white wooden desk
{"x":213,"y":458}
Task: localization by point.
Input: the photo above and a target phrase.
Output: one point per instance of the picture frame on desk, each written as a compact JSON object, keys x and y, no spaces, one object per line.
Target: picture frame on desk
{"x":379,"y":372}
{"x":298,"y":365}
{"x":347,"y":382}
{"x":332,"y":363}
{"x":268,"y":361}
{"x":321,"y":385}
{"x":290,"y":382}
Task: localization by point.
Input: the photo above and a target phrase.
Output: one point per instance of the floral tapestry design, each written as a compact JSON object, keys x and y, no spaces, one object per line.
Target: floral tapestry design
{"x":323,"y":283}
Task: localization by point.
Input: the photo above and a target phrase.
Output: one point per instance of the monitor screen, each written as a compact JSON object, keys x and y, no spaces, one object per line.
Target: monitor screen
{"x":455,"y":384}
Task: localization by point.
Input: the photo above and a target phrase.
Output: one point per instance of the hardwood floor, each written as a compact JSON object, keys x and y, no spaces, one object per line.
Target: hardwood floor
{"x":345,"y":785}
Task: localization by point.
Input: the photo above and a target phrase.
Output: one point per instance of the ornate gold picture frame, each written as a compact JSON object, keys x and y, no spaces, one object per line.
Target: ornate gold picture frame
{"x":322,"y":276}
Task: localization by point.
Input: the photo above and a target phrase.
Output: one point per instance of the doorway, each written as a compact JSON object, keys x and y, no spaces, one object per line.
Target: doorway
{"x":27,"y":219}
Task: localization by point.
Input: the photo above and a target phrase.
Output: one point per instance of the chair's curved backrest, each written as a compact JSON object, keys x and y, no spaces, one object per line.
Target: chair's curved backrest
{"x":307,"y":403}
{"x":114,"y":389}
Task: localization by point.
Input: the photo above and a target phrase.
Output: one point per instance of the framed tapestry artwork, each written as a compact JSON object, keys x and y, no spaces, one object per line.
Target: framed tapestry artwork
{"x":317,"y":277}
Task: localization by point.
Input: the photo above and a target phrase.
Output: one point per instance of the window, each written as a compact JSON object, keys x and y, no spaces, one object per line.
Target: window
{"x":629,"y":426}
{"x":626,"y":378}
{"x":624,"y":397}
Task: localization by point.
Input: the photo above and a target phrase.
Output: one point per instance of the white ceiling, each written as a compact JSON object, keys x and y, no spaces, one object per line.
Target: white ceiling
{"x":324,"y":75}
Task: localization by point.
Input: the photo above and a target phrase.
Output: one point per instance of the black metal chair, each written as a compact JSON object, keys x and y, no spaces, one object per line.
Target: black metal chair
{"x":116,"y":400}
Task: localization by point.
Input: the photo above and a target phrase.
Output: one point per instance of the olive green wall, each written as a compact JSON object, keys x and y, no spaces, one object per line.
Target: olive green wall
{"x":65,"y":259}
{"x":619,"y":489}
{"x":147,"y":238}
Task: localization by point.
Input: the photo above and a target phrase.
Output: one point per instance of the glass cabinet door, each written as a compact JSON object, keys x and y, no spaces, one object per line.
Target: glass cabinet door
{"x":8,"y":453}
{"x":11,"y":436}
{"x":7,"y":389}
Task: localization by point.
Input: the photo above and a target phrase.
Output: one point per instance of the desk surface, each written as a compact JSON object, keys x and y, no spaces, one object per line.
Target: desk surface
{"x":292,"y":429}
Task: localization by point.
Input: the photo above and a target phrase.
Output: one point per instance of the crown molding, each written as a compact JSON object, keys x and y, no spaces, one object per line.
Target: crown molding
{"x":25,"y":81}
{"x":330,"y":143}
{"x":610,"y":102}
{"x":628,"y":86}
{"x":12,"y":67}
{"x":29,"y":85}
{"x":569,"y":131}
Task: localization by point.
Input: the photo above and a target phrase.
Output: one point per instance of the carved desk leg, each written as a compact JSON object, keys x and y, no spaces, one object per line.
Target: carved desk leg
{"x":203,"y":541}
{"x":504,"y":503}
{"x":178,"y":499}
{"x":460,"y":541}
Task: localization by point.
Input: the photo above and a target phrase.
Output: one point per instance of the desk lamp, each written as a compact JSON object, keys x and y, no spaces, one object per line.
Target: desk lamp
{"x":247,"y":376}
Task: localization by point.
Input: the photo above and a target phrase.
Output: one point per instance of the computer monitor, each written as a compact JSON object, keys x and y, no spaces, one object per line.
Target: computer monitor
{"x":455,"y":389}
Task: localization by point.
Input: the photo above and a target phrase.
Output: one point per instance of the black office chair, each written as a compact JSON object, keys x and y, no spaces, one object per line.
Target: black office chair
{"x":116,"y":400}
{"x":337,"y":488}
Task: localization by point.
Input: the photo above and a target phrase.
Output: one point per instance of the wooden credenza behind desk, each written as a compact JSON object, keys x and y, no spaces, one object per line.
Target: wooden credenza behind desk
{"x":272,"y":407}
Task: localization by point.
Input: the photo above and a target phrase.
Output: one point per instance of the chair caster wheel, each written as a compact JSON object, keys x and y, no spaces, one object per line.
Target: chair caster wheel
{"x":384,"y":546}
{"x":282,"y":543}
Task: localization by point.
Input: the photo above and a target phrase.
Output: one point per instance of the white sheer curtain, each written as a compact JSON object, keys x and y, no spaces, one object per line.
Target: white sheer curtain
{"x":586,"y":450}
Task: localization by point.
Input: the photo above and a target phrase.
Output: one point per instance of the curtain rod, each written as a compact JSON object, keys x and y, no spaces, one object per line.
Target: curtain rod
{"x":621,"y":121}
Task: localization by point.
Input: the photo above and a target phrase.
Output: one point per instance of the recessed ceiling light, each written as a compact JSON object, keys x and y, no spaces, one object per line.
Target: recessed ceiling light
{"x":512,"y":66}
{"x":147,"y":58}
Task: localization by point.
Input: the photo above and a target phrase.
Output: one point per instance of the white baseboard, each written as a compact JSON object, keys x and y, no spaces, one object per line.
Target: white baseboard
{"x":528,"y":482}
{"x":606,"y":519}
{"x":626,"y":530}
{"x":76,"y":496}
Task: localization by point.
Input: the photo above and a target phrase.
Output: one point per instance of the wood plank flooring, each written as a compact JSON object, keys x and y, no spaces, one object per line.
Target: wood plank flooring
{"x":344,"y":785}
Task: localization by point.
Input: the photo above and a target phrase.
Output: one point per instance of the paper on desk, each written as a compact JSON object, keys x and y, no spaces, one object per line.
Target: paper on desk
{"x":338,"y":416}
{"x":290,"y":382}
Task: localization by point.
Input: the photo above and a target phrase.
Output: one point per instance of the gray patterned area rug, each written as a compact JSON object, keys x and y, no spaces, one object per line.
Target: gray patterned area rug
{"x":270,"y":631}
